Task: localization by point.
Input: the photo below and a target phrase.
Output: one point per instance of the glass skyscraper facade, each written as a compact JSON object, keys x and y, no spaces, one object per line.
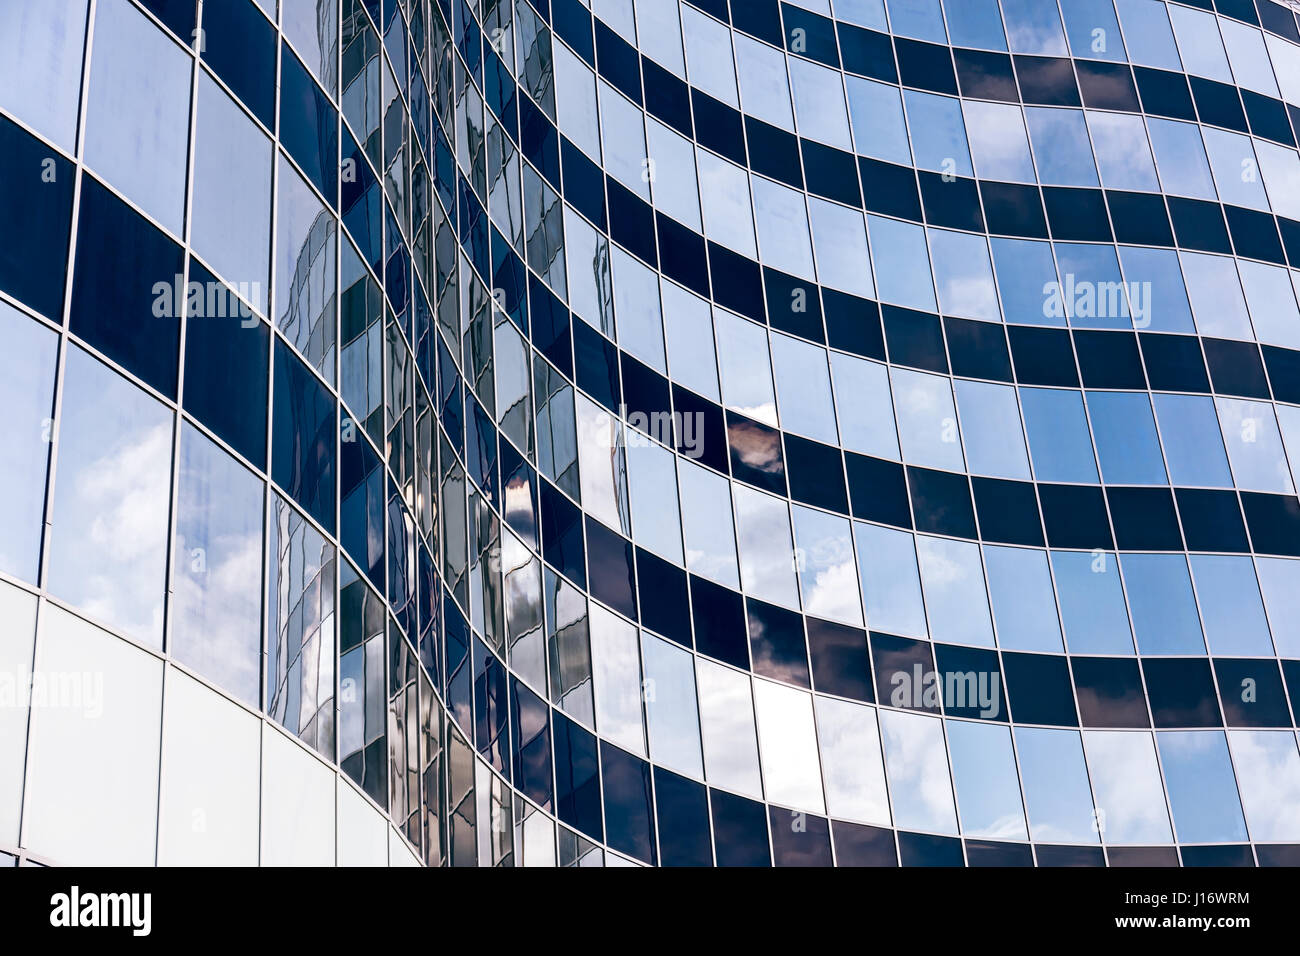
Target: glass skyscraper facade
{"x":607,"y":432}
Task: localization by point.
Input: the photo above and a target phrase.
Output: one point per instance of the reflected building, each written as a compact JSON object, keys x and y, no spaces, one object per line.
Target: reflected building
{"x":649,"y":432}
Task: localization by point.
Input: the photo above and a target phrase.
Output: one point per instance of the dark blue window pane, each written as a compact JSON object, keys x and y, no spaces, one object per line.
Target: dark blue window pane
{"x":739,"y":831}
{"x":226,"y":367}
{"x":309,"y":126}
{"x":863,"y":846}
{"x":361,"y":511}
{"x":129,"y":289}
{"x":303,"y":435}
{"x":683,"y":807}
{"x":799,"y":839}
{"x":776,"y":643}
{"x":577,"y":779}
{"x":839,"y":659}
{"x":719,"y":615}
{"x":532,"y":744}
{"x":1039,"y":688}
{"x":239,"y":44}
{"x":629,"y":803}
{"x":35,"y":219}
{"x":1110,"y":692}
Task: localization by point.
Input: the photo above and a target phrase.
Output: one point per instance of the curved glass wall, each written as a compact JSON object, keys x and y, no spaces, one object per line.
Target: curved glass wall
{"x":552,"y":432}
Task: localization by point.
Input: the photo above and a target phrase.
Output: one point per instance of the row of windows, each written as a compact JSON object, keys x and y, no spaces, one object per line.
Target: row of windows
{"x":878,"y":767}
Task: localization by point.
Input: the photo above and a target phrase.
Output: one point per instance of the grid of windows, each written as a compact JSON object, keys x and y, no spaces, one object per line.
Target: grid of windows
{"x":535,"y":432}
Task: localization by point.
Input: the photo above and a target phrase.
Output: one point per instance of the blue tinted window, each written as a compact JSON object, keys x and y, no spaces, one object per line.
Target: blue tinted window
{"x":1125,"y":433}
{"x":1161,"y":601}
{"x":1024,"y":609}
{"x":216,"y":567}
{"x":1189,"y":429}
{"x":35,"y":220}
{"x":226,"y":365}
{"x":1092,"y":29}
{"x":108,"y":549}
{"x":1202,"y":789}
{"x":126,"y":287}
{"x":1033,"y":27}
{"x":1026,"y":275}
{"x":309,"y":126}
{"x":231,"y":226}
{"x":1092,"y":602}
{"x":305,"y":272}
{"x":1058,"y":435}
{"x":40,"y":65}
{"x":239,"y":44}
{"x":28,"y":353}
{"x":1060,"y":139}
{"x":137,"y":117}
{"x":303,"y":436}
{"x":1231,"y":610}
{"x":975,"y":23}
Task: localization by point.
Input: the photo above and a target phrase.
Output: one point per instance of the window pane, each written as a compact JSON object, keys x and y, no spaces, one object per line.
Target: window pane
{"x":1202,"y":788}
{"x":216,"y":615}
{"x":1161,"y":601}
{"x":879,"y":130}
{"x":1254,"y":445}
{"x":963,"y":275}
{"x":1021,"y":590}
{"x":232,"y":194}
{"x":1231,"y":609}
{"x":1125,"y":433}
{"x":788,"y":738}
{"x":766,"y":551}
{"x":860,"y":384}
{"x":819,"y":102}
{"x":938,"y":133}
{"x":1055,"y":777}
{"x":1060,"y":139}
{"x":1058,"y":435}
{"x":902,"y":263}
{"x":300,"y":627}
{"x":1122,"y":151}
{"x":706,"y":524}
{"x":990,"y":428}
{"x":28,"y":353}
{"x":1268,"y":774}
{"x":727,"y":721}
{"x":918,"y":772}
{"x":890,"y":586}
{"x":927,"y":423}
{"x":988,"y":787}
{"x":109,"y":545}
{"x":40,"y":66}
{"x":1189,"y":430}
{"x":804,"y":388}
{"x":851,"y":761}
{"x":1130,"y":799}
{"x":305,"y":272}
{"x":1092,"y":602}
{"x":671,"y":717}
{"x":137,"y":117}
{"x":828,"y":578}
{"x":955,"y":597}
{"x":303,"y":437}
{"x":616,"y":673}
{"x":1033,"y":27}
